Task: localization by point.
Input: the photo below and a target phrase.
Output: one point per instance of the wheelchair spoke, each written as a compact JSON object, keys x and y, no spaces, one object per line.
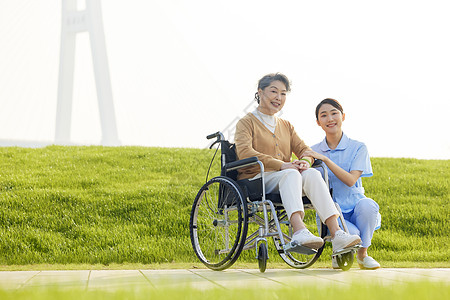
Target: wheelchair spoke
{"x":216,"y":223}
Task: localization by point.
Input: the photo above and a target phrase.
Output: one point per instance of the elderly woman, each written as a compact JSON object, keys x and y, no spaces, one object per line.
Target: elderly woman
{"x":273,"y":140}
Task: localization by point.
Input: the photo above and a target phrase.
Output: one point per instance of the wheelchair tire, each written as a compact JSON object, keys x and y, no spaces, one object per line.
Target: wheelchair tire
{"x":218,"y":223}
{"x":262,"y":257}
{"x":297,"y":260}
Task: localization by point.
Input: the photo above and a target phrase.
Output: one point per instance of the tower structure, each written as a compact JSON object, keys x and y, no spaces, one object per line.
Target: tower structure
{"x":75,"y":21}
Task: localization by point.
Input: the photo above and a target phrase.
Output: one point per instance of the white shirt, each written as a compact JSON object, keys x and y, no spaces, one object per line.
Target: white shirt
{"x":269,"y":121}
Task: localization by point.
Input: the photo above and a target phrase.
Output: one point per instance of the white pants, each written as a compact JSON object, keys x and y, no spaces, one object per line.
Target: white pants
{"x":292,"y":185}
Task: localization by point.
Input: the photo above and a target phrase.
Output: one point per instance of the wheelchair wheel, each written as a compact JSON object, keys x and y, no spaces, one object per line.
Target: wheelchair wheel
{"x":294,"y":259}
{"x":218,"y":223}
{"x":262,"y":257}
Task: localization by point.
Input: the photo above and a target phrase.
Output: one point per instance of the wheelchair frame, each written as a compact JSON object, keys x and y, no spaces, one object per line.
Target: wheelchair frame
{"x":224,"y":207}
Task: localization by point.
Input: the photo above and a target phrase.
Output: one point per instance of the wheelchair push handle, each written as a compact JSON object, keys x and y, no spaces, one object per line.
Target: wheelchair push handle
{"x":217,"y":135}
{"x":213,"y":135}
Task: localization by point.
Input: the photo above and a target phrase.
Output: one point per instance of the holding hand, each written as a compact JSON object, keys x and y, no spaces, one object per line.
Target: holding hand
{"x":314,"y":154}
{"x":299,"y":165}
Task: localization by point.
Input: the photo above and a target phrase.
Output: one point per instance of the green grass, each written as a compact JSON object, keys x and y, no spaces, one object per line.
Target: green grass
{"x":131,"y":205}
{"x":400,"y":291}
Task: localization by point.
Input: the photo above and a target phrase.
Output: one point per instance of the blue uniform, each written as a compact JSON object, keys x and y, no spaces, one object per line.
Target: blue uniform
{"x":361,"y":213}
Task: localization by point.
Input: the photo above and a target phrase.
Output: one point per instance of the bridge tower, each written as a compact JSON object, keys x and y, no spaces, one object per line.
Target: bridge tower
{"x":75,"y":21}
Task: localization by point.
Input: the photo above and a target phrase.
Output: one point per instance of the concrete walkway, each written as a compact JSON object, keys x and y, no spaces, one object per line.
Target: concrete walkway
{"x":206,"y":279}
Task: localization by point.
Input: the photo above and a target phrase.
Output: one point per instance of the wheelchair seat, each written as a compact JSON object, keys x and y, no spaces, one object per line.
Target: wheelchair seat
{"x":251,"y":187}
{"x":252,"y":190}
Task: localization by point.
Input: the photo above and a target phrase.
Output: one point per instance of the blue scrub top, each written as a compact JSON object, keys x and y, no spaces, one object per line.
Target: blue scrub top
{"x":349,"y":155}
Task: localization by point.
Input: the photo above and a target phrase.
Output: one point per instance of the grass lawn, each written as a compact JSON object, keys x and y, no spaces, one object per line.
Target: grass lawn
{"x":107,"y":207}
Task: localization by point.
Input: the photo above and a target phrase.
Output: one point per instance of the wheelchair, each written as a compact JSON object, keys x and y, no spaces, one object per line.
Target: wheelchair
{"x":229,"y":216}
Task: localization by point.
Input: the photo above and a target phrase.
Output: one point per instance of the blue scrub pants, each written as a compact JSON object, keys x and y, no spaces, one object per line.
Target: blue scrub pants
{"x":364,"y":220}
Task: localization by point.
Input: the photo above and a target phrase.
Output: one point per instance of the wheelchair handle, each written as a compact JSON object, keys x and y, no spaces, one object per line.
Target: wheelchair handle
{"x":219,"y":136}
{"x":213,"y":135}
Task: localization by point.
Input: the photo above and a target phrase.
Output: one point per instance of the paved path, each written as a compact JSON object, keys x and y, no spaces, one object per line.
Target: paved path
{"x":206,"y":279}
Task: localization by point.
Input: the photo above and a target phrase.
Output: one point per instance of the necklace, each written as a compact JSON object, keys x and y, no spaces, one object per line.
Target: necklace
{"x":262,"y":119}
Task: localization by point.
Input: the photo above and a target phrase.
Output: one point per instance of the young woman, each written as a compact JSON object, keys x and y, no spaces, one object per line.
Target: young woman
{"x":273,"y":141}
{"x":347,"y":161}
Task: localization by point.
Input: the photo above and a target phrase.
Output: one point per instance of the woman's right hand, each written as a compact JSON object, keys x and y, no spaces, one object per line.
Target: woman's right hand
{"x":315,"y":155}
{"x":349,"y":178}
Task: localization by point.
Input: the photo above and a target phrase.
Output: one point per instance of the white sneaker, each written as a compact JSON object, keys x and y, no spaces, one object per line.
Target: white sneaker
{"x":368,"y":263}
{"x":344,"y":240}
{"x":307,"y":239}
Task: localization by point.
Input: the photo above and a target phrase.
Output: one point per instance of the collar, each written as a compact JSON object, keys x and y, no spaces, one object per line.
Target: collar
{"x":343,"y":143}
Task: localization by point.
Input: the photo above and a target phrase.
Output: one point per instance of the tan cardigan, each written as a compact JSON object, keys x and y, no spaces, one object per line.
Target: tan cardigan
{"x":252,"y":138}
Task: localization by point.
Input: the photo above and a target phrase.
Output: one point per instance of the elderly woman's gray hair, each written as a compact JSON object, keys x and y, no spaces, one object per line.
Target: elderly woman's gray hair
{"x":268,"y":79}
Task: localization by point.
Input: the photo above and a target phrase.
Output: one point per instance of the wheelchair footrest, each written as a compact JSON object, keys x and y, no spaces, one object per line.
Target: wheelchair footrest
{"x":295,"y":247}
{"x":346,"y":250}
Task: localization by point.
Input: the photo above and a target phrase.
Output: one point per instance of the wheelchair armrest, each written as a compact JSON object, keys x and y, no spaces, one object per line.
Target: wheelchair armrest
{"x":241,"y":163}
{"x":320,"y":164}
{"x":317,"y":162}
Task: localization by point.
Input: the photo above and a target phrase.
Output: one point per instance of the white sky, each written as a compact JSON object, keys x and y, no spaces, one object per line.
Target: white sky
{"x":183,"y":69}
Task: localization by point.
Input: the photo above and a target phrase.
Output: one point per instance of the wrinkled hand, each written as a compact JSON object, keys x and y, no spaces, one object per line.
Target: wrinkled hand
{"x":299,"y":165}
